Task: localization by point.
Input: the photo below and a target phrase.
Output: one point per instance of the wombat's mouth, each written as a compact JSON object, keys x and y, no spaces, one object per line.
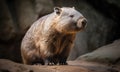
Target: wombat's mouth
{"x":78,"y":29}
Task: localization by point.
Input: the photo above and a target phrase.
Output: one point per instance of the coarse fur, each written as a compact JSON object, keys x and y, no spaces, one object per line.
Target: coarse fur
{"x":51,"y":37}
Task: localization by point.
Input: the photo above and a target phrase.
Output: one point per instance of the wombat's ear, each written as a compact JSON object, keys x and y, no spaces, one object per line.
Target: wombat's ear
{"x":57,"y":10}
{"x":73,"y":7}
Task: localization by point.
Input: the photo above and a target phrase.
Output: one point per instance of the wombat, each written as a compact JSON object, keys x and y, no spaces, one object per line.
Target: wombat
{"x":50,"y":39}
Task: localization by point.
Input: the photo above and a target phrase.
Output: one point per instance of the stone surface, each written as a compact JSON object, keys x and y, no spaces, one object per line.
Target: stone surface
{"x":6,"y":65}
{"x":106,"y":54}
{"x":115,"y":2}
{"x":7,"y":29}
{"x":74,"y":66}
{"x":28,"y":11}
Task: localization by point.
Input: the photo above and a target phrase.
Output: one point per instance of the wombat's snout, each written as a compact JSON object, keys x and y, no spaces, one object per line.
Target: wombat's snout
{"x":82,"y":23}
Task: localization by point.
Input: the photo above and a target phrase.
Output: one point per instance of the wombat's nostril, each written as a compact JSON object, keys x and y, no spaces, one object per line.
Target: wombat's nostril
{"x":84,"y":22}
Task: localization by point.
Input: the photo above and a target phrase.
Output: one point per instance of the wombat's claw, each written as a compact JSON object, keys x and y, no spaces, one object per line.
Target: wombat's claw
{"x":63,"y":63}
{"x":51,"y":63}
{"x":37,"y":64}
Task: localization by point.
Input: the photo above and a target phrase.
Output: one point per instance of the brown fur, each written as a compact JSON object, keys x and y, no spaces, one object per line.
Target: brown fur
{"x":44,"y":42}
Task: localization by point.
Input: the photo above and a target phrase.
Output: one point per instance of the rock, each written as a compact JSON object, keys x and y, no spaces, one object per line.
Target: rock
{"x":74,"y":66}
{"x":25,"y":14}
{"x":28,"y":11}
{"x":8,"y":32}
{"x":43,"y":7}
{"x":106,"y":54}
{"x":9,"y":66}
{"x":7,"y":28}
{"x":115,"y":2}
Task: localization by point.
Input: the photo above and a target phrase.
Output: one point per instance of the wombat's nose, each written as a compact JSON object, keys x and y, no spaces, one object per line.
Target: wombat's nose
{"x":84,"y":22}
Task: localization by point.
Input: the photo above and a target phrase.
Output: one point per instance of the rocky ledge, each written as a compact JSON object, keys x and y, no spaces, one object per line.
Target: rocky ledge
{"x":74,"y":66}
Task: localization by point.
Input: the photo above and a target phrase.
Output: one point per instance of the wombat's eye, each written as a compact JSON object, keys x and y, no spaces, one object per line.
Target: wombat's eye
{"x":71,"y":16}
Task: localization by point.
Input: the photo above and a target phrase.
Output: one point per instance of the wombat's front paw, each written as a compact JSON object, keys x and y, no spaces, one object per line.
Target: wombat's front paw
{"x":38,"y":63}
{"x":52,"y":61}
{"x":63,"y":62}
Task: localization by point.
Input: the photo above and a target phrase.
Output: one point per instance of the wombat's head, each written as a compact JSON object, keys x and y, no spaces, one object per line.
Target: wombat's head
{"x":69,"y":20}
